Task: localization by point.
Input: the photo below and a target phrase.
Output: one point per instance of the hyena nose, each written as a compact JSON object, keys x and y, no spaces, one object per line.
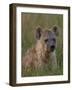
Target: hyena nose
{"x":52,"y":48}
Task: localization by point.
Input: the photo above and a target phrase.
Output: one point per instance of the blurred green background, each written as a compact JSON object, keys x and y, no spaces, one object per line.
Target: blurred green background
{"x":29,"y":22}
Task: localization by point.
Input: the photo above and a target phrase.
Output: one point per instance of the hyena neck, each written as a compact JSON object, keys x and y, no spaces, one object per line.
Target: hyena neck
{"x":41,"y":54}
{"x":53,"y":54}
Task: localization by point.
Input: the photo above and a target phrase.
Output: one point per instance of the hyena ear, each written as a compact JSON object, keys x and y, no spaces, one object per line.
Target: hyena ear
{"x":38,"y":32}
{"x":55,"y":29}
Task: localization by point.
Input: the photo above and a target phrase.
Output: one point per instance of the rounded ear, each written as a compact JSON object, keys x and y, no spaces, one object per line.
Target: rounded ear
{"x":38,"y":32}
{"x":55,"y":29}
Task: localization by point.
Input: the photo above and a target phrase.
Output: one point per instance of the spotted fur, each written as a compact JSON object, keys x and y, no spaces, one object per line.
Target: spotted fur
{"x":41,"y":55}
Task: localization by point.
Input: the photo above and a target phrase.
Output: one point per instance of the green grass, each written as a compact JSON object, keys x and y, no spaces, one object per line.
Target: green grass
{"x":29,"y":24}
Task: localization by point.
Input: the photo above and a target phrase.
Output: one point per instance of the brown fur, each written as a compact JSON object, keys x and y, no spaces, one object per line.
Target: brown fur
{"x":40,"y":55}
{"x":36,"y":57}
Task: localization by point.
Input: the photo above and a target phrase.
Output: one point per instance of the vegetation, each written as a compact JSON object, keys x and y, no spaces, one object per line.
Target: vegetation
{"x":29,"y":24}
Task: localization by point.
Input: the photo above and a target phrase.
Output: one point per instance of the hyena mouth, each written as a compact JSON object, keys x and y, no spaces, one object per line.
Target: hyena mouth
{"x":52,"y":48}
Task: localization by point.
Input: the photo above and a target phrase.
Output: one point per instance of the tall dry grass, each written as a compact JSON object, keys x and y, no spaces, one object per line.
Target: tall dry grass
{"x":29,"y":23}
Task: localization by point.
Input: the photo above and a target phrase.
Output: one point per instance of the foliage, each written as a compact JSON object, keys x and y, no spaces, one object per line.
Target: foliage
{"x":29,"y":24}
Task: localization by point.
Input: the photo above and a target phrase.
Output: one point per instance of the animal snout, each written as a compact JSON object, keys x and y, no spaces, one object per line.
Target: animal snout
{"x":52,"y":48}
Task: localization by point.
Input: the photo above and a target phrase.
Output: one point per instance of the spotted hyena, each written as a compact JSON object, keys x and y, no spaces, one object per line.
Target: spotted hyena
{"x":44,"y":51}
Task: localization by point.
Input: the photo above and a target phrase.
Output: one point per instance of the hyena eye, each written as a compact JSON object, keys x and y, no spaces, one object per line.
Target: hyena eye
{"x":46,"y":40}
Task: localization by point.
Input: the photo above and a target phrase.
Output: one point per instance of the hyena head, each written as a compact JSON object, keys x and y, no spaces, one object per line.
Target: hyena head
{"x":47,"y":38}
